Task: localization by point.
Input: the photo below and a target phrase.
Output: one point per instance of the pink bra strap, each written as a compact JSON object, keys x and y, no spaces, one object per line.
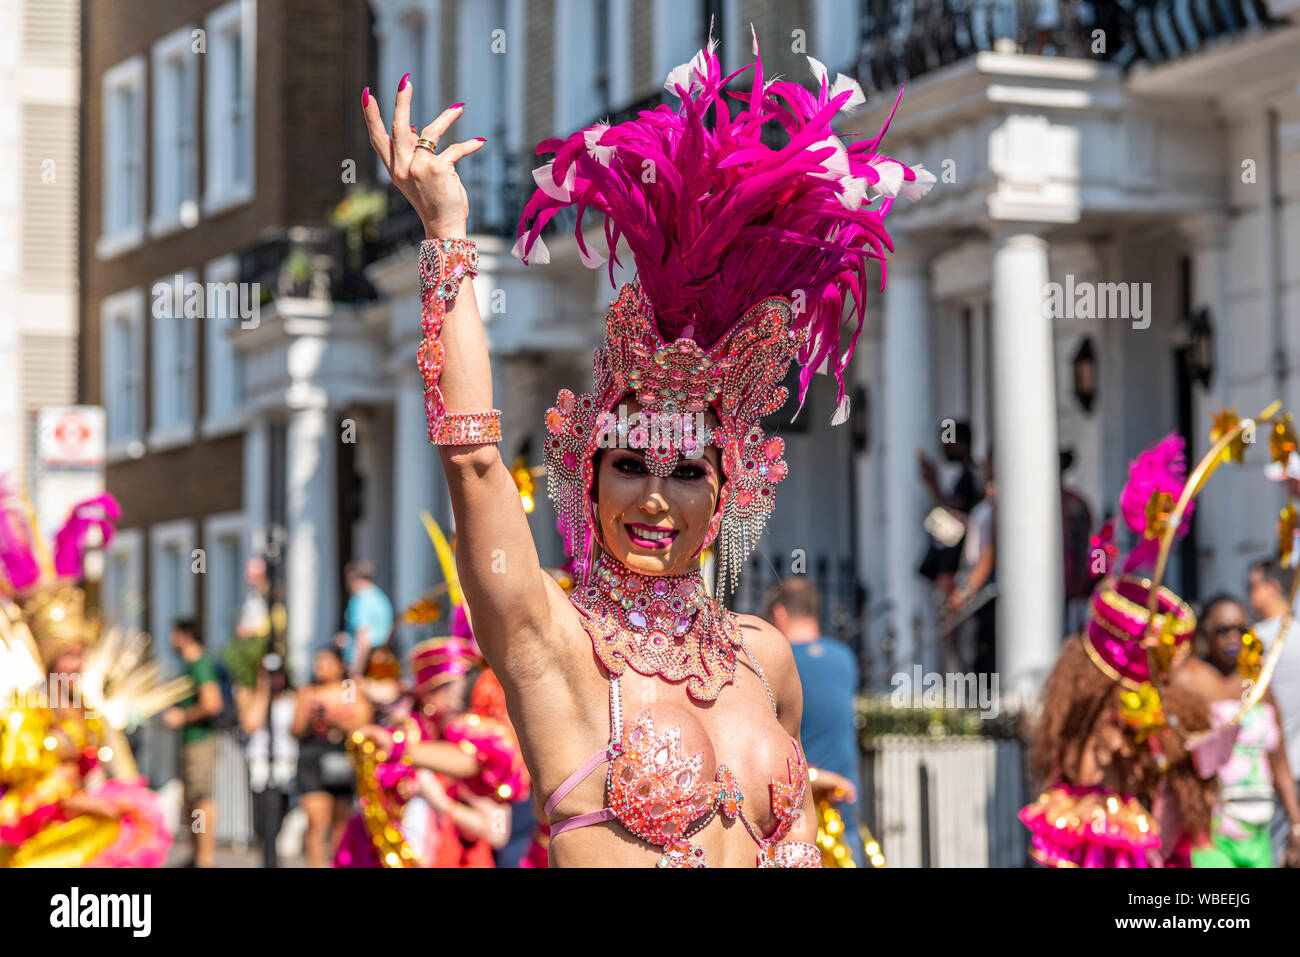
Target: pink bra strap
{"x":574,"y":779}
{"x":593,"y":762}
{"x":582,"y":820}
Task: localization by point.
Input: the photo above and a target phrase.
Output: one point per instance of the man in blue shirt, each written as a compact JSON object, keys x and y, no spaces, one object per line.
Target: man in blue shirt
{"x":368,"y":619}
{"x":829,"y":675}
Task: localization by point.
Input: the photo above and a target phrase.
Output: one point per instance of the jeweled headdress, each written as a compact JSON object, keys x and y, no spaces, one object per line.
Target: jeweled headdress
{"x":746,"y":256}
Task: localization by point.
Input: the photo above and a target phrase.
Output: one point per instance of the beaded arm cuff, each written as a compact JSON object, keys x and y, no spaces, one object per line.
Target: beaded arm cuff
{"x":443,"y":264}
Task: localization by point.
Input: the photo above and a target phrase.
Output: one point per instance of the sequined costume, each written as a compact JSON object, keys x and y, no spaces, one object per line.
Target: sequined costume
{"x":70,"y":795}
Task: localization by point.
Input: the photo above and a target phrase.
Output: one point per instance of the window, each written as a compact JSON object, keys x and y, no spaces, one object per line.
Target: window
{"x":121,"y":322}
{"x":407,"y":38}
{"x":224,"y":373}
{"x":122,"y":108}
{"x":678,"y":34}
{"x":230,"y":70}
{"x":582,"y":65}
{"x":174,"y":310}
{"x":175,"y":132}
{"x":121,"y":598}
{"x":224,"y":539}
{"x":172,"y":577}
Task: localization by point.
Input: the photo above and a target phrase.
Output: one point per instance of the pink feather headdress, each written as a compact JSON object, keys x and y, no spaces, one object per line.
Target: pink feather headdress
{"x":746,"y":255}
{"x":43,"y":582}
{"x":717,"y":220}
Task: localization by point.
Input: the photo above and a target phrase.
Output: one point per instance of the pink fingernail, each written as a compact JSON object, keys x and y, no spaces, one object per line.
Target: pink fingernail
{"x":402,"y":86}
{"x":481,"y":139}
{"x":413,"y":129}
{"x":365,"y":98}
{"x":457,"y":106}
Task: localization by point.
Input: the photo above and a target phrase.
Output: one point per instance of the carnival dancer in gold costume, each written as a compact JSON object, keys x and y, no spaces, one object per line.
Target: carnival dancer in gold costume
{"x":70,"y":794}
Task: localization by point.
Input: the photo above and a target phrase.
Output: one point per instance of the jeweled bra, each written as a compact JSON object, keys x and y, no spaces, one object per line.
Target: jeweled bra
{"x":668,"y":626}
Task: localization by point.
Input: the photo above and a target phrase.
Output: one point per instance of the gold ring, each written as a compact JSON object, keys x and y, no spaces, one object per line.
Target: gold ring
{"x":424,"y":144}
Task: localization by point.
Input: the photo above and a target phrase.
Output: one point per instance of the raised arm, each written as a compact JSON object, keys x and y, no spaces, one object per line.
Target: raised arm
{"x":510,"y":596}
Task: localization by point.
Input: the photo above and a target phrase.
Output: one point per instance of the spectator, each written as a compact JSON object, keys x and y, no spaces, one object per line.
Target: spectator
{"x":1270,"y":587}
{"x":254,"y":613}
{"x":975,"y":596}
{"x":272,"y":755}
{"x":941,"y":560}
{"x":829,"y":675}
{"x":326,"y":712}
{"x":369,"y":616}
{"x":1258,"y":764}
{"x":1076,"y":543}
{"x":243,"y":656}
{"x":193,"y":718}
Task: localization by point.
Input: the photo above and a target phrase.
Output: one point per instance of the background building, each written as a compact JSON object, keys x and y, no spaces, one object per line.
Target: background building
{"x":39,"y":101}
{"x":1075,"y":143}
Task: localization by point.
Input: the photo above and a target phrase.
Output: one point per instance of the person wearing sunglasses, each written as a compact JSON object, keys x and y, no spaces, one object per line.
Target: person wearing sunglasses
{"x":1258,"y":767}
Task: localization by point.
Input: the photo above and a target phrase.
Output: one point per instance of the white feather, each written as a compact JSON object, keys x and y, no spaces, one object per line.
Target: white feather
{"x":538,"y":254}
{"x":754,"y":33}
{"x":591,"y":136}
{"x":891,"y":177}
{"x":915,"y":189}
{"x":836,"y":165}
{"x":819,"y":70}
{"x":564,"y":192}
{"x":591,"y":259}
{"x":843,"y":83}
{"x":841,"y":411}
{"x":855,"y":191}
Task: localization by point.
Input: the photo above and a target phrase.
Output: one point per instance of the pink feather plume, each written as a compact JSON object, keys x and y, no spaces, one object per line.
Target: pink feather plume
{"x":717,"y":219}
{"x":100,"y":512}
{"x":1161,"y":468}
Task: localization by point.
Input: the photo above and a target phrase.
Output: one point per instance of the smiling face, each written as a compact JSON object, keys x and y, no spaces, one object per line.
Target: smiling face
{"x":654,"y":525}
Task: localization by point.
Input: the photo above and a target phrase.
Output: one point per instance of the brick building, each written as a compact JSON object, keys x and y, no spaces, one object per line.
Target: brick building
{"x":211,"y":137}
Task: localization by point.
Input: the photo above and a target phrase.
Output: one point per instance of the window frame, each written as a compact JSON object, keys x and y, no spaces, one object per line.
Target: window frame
{"x":166,"y":432}
{"x":170,"y":131}
{"x":218,"y":528}
{"x":221,"y":191}
{"x":116,"y":239}
{"x":126,"y":307}
{"x":164,"y":536}
{"x":221,"y":418}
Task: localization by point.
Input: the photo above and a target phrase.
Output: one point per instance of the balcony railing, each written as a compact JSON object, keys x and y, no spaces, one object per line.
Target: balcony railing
{"x":901,"y":41}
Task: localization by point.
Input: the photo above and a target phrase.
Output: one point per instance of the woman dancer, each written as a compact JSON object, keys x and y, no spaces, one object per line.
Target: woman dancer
{"x":745,"y":254}
{"x":70,"y":795}
{"x":1127,"y":751}
{"x":1258,"y":767}
{"x":441,"y":779}
{"x":327,"y":711}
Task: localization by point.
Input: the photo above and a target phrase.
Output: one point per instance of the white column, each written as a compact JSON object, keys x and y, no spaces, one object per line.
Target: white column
{"x":1025,"y":464}
{"x":1218,"y":508}
{"x":257,"y":466}
{"x":907,"y":426}
{"x":417,"y":485}
{"x":311,"y":510}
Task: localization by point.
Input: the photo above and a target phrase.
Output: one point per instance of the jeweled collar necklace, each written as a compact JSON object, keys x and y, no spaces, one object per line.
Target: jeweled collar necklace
{"x":665,"y":625}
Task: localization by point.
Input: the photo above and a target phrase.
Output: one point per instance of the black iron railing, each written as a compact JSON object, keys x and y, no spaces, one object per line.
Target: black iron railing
{"x":901,"y":41}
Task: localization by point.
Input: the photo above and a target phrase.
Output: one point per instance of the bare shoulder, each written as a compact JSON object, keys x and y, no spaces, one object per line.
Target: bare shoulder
{"x":769,"y":646}
{"x":1198,"y":676}
{"x":772,"y":651}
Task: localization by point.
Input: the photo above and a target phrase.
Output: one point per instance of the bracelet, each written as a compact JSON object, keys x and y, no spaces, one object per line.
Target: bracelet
{"x":444,"y":263}
{"x":467,"y":428}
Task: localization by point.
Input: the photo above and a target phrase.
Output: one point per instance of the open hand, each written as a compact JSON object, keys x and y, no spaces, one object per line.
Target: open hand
{"x":427,"y":179}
